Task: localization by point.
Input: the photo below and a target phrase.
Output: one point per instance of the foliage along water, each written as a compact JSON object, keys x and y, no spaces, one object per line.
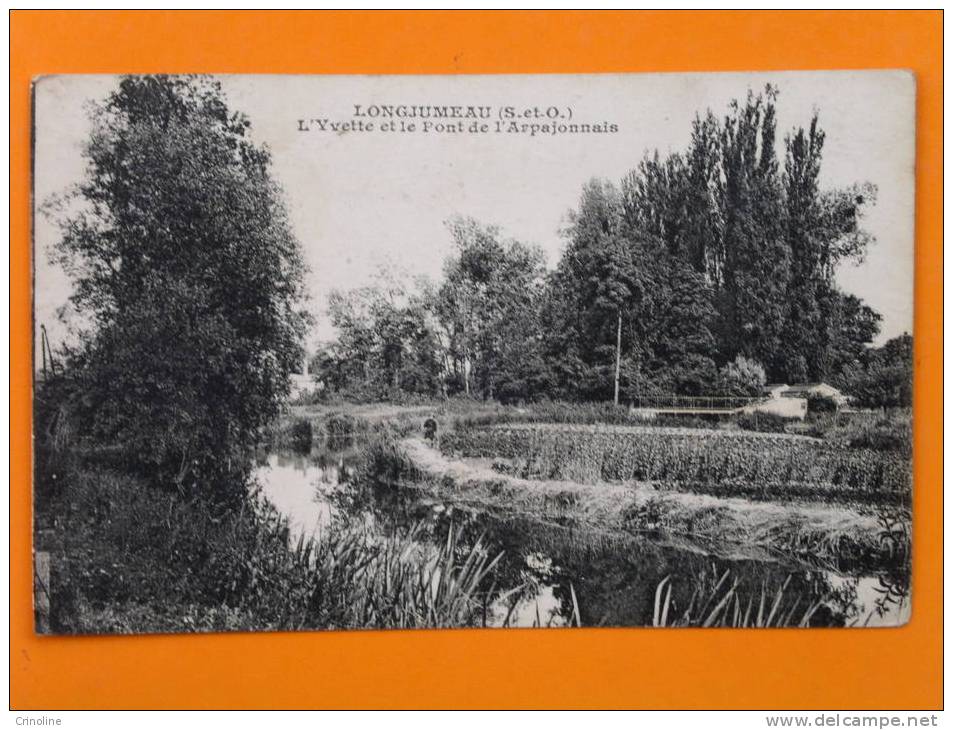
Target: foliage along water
{"x":548,"y":568}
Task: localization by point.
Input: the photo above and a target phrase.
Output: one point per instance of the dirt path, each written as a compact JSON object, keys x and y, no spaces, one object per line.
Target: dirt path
{"x":599,"y":504}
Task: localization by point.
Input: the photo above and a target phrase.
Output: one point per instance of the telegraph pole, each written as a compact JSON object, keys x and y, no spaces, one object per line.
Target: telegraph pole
{"x":618,"y":354}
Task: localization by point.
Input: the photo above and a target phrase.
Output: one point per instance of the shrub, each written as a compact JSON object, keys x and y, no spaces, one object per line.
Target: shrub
{"x":890,"y":433}
{"x":302,"y":435}
{"x":343,"y":425}
{"x":742,"y":376}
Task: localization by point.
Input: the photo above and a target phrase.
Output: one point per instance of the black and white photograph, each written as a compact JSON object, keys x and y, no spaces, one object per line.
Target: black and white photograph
{"x":512,"y":351}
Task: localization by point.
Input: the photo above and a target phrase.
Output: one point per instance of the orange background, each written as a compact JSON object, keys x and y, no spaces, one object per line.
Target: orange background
{"x":636,"y":668}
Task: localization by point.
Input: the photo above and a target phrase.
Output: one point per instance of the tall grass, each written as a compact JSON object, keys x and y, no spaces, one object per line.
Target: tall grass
{"x":722,"y":605}
{"x":359,"y":579}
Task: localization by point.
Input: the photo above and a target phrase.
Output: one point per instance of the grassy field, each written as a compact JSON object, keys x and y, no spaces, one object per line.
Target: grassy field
{"x":715,"y":462}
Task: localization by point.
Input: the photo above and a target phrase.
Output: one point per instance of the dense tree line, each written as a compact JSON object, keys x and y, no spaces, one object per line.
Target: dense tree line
{"x":703,"y":271}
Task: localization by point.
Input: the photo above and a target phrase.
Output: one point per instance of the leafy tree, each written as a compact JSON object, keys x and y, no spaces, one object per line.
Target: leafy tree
{"x":712,"y":254}
{"x":386,"y":344}
{"x":353,"y":353}
{"x":588,"y":337}
{"x":852,"y":326}
{"x":185,"y":268}
{"x":488,"y":306}
{"x":562,"y":341}
{"x":884,"y":378}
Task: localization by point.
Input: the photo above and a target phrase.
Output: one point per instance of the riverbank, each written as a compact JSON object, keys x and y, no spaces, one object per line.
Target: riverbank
{"x":827,"y":534}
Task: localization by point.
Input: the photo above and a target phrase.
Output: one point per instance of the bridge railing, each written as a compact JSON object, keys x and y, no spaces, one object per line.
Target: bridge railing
{"x":693,"y":402}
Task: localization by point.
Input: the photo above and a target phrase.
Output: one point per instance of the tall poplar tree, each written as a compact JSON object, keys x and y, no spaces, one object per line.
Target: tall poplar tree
{"x":756,"y":252}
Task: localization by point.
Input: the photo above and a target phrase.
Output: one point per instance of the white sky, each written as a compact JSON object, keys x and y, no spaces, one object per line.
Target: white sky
{"x":359,"y":201}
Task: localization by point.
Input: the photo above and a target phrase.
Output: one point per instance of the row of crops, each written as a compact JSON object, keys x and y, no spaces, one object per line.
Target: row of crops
{"x":754,"y":467}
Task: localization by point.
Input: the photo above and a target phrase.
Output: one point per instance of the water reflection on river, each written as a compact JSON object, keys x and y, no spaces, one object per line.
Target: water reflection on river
{"x":613,"y":577}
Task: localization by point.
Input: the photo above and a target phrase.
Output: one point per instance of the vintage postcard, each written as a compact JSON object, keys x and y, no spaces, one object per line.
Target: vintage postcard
{"x":362,"y":352}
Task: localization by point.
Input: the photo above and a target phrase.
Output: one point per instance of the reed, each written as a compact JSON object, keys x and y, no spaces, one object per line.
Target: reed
{"x":722,"y":605}
{"x":400,"y":581}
